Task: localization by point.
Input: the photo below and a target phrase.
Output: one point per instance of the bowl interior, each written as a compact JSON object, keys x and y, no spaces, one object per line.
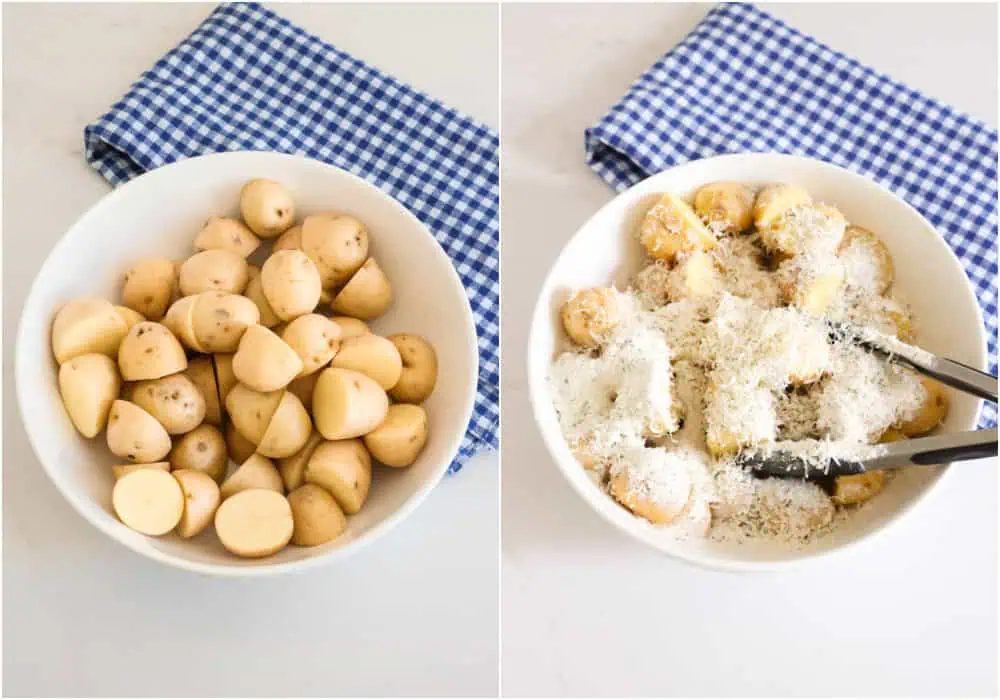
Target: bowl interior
{"x":159,"y":214}
{"x":928,"y":276}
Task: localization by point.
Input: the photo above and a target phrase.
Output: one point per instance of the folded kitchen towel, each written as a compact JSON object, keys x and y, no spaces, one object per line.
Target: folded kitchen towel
{"x":743,"y":80}
{"x":247,"y":79}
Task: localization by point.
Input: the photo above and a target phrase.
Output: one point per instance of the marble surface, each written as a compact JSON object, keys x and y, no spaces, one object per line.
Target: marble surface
{"x":416,"y":614}
{"x":587,"y":611}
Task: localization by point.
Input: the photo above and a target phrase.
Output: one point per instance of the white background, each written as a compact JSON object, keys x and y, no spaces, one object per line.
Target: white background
{"x":587,"y":611}
{"x":414,"y":614}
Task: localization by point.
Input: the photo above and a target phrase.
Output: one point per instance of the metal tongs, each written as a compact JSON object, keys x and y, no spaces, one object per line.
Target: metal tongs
{"x":936,"y":449}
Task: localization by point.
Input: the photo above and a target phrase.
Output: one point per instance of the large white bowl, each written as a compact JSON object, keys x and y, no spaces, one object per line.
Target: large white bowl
{"x":928,"y":275}
{"x":159,"y":214}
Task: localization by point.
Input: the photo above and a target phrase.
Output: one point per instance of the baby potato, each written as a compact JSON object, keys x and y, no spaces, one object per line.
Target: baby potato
{"x":398,"y":440}
{"x":254,"y":523}
{"x":303,"y":387}
{"x":774,"y":200}
{"x":347,"y":404}
{"x":223,"y":233}
{"x":857,"y":488}
{"x":202,"y":375}
{"x":214,"y":271}
{"x":812,"y":291}
{"x":174,"y":401}
{"x":267,"y":207}
{"x":220,"y":319}
{"x":372,"y":355}
{"x":239,"y":448}
{"x":367,"y":295}
{"x":201,"y":500}
{"x":149,"y":501}
{"x":129,"y":316}
{"x":201,"y":450}
{"x":670,"y":227}
{"x":344,"y":468}
{"x":180,"y":321}
{"x":135,"y":435}
{"x":694,"y":277}
{"x":89,"y":385}
{"x":862,"y":242}
{"x":420,"y":368}
{"x":338,"y":244}
{"x":255,"y":293}
{"x":120,"y":470}
{"x":726,"y":207}
{"x":806,"y":229}
{"x":251,"y":410}
{"x":264,"y":361}
{"x":293,"y":469}
{"x":224,"y":375}
{"x":291,"y":284}
{"x":662,"y":511}
{"x":149,"y":285}
{"x":590,"y":316}
{"x":150,"y":351}
{"x":289,"y":429}
{"x":85,"y":326}
{"x":258,"y":472}
{"x":891,"y":435}
{"x":289,"y":240}
{"x":350,"y":327}
{"x":317,"y":517}
{"x":314,"y":338}
{"x":931,"y":413}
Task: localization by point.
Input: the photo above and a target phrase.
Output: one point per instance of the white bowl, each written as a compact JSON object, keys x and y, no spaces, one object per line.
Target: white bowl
{"x":159,"y":214}
{"x":928,"y":276}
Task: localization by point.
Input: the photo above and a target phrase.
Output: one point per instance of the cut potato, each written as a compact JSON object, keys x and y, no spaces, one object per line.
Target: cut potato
{"x":372,"y":355}
{"x":344,"y":468}
{"x":251,"y":410}
{"x":398,"y":440}
{"x":671,"y":227}
{"x":338,"y":244}
{"x":149,"y":501}
{"x":150,"y":351}
{"x":267,"y":207}
{"x":293,"y":469}
{"x":223,"y":233}
{"x":254,"y":523}
{"x":288,"y":430}
{"x":129,"y":316}
{"x":694,"y":277}
{"x":214,"y":271}
{"x":857,"y":488}
{"x":367,"y":295}
{"x":220,"y":320}
{"x":350,"y":327}
{"x":289,"y":240}
{"x":773,"y":201}
{"x":663,"y":511}
{"x":201,"y":500}
{"x":89,"y":385}
{"x":149,"y":286}
{"x":174,"y":401}
{"x":931,"y":413}
{"x":318,"y":518}
{"x":264,"y":361}
{"x":224,"y":375}
{"x":347,"y":404}
{"x":255,"y":293}
{"x":726,"y":207}
{"x":202,"y":375}
{"x":135,"y":435}
{"x":871,"y":257}
{"x":239,"y":448}
{"x":314,"y":338}
{"x":120,"y":470}
{"x":291,"y":284}
{"x":86,"y":326}
{"x":590,"y":316}
{"x":813,"y":230}
{"x":812,"y":290}
{"x":201,"y":450}
{"x":420,"y":368}
{"x":258,"y":472}
{"x":303,"y":387}
{"x":180,"y":321}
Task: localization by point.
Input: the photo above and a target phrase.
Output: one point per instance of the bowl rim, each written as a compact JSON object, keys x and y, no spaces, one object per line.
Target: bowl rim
{"x":248,"y":568}
{"x":540,"y":400}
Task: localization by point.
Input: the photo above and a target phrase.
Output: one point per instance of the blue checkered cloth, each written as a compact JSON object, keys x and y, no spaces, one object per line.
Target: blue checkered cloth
{"x":743,"y":81}
{"x":247,"y":79}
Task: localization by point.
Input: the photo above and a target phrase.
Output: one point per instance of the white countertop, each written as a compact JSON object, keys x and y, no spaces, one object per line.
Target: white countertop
{"x":414,"y":615}
{"x":587,"y":611}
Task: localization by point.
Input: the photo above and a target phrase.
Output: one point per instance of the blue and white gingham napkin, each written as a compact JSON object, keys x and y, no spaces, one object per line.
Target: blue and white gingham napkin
{"x":743,"y":80}
{"x":247,"y":79}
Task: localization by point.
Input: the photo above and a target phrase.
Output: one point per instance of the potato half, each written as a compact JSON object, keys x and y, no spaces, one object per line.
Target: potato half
{"x":135,"y":435}
{"x":288,"y":430}
{"x":221,"y":319}
{"x":372,"y":355}
{"x":89,"y":385}
{"x":367,"y":295}
{"x":201,"y":500}
{"x":671,"y":227}
{"x":180,"y":321}
{"x":318,"y":519}
{"x":255,"y":293}
{"x":149,"y":501}
{"x":254,"y":523}
{"x":291,"y":284}
{"x":224,"y":233}
{"x":129,"y":316}
{"x":267,"y":207}
{"x":85,"y":326}
{"x":398,"y":440}
{"x":350,"y":327}
{"x":347,"y":404}
{"x":202,"y":374}
{"x":239,"y":448}
{"x":314,"y":338}
{"x":252,"y":410}
{"x":293,"y":469}
{"x":344,"y":468}
{"x":214,"y":271}
{"x":149,"y":286}
{"x":150,"y":351}
{"x":264,"y":361}
{"x":201,"y":450}
{"x":338,"y":244}
{"x":725,"y":206}
{"x":420,"y":368}
{"x":174,"y":401}
{"x":258,"y":472}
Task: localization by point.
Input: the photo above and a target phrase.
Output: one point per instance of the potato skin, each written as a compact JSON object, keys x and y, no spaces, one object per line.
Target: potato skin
{"x":932,"y":413}
{"x":289,"y":429}
{"x":149,"y":285}
{"x":398,"y":440}
{"x":350,"y":327}
{"x":590,"y":316}
{"x":180,"y":321}
{"x":293,"y":469}
{"x":224,"y":233}
{"x":344,"y":468}
{"x":89,"y":385}
{"x":289,"y":240}
{"x":85,"y":326}
{"x":267,"y":207}
{"x":201,"y":500}
{"x":315,"y":339}
{"x":129,"y":316}
{"x":420,"y":368}
{"x":214,"y":271}
{"x":201,"y":450}
{"x":135,"y":435}
{"x":338,"y":244}
{"x":367,"y":294}
{"x":726,"y":206}
{"x":372,"y":355}
{"x":254,"y":523}
{"x":303,"y":387}
{"x":239,"y":448}
{"x":202,"y":374}
{"x":291,"y":284}
{"x":150,"y":351}
{"x":255,"y":293}
{"x":220,"y":319}
{"x":671,"y":227}
{"x":317,"y":517}
{"x":174,"y":401}
{"x":251,"y":411}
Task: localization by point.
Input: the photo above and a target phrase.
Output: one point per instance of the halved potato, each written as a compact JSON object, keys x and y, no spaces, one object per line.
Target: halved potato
{"x":251,"y":411}
{"x":371,"y":355}
{"x":931,"y":413}
{"x":214,"y":271}
{"x":258,"y":472}
{"x":255,"y":293}
{"x":857,"y":488}
{"x":254,"y":523}
{"x":725,"y":206}
{"x":291,"y":284}
{"x":774,"y":200}
{"x":314,"y":338}
{"x":350,"y":327}
{"x":202,"y":375}
{"x":264,"y":361}
{"x":292,"y":469}
{"x":660,"y":511}
{"x":201,"y":500}
{"x":150,"y":351}
{"x":338,"y":244}
{"x":289,"y":240}
{"x":303,"y":387}
{"x":420,"y":368}
{"x":149,"y":501}
{"x":671,"y":227}
{"x":398,"y":440}
{"x":344,"y":468}
{"x":149,"y":285}
{"x":347,"y":404}
{"x":174,"y":401}
{"x":224,"y":375}
{"x":267,"y":207}
{"x":590,"y":316}
{"x":239,"y":448}
{"x":129,"y":316}
{"x":367,"y":295}
{"x":135,"y":435}
{"x":289,"y":428}
{"x":221,"y":319}
{"x":223,"y":233}
{"x":695,"y":276}
{"x":318,"y":518}
{"x":201,"y":450}
{"x":85,"y":326}
{"x":180,"y":321}
{"x":874,"y":261}
{"x":89,"y":385}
